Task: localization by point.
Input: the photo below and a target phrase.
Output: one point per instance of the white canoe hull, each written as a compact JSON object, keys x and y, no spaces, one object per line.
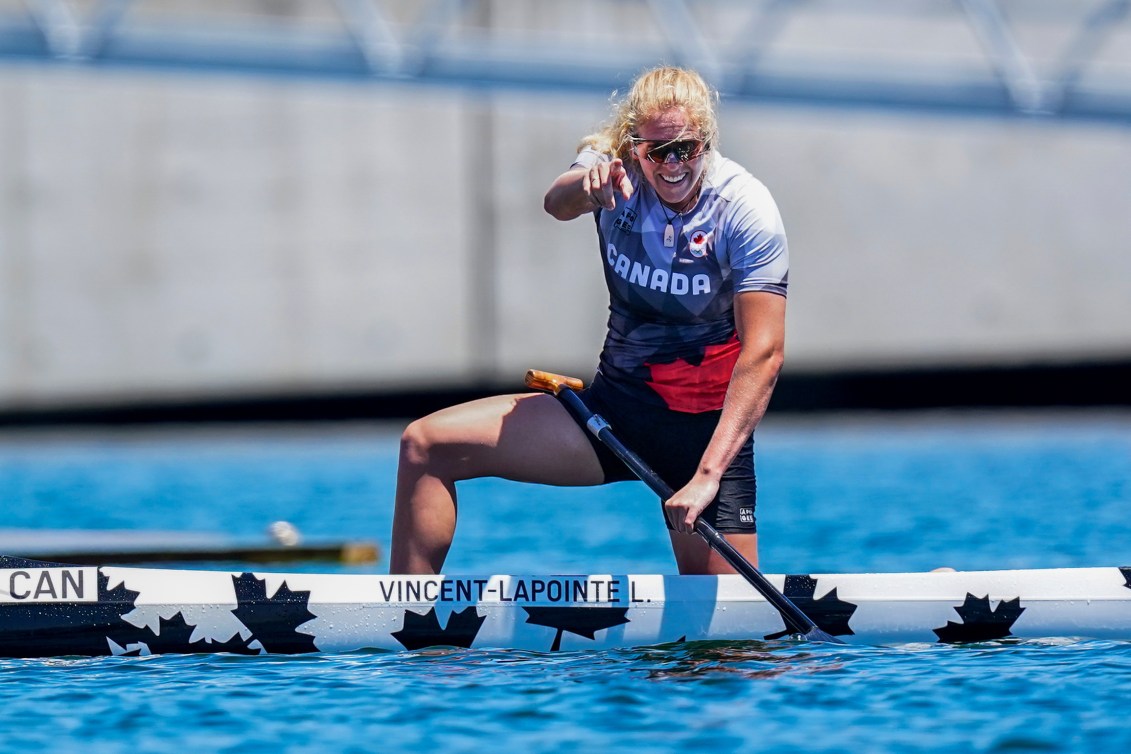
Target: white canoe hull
{"x":55,"y":610}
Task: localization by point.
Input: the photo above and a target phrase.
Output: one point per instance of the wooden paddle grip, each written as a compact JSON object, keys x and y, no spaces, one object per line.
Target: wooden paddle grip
{"x":550,"y":382}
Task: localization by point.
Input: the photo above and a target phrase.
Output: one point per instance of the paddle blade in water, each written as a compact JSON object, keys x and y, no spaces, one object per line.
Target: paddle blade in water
{"x":818,"y":635}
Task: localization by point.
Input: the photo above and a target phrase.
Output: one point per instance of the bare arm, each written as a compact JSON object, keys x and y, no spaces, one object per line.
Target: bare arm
{"x":579,"y":191}
{"x":760,"y":318}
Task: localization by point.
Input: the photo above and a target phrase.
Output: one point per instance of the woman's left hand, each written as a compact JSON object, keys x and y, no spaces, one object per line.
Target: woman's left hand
{"x":684,"y":507}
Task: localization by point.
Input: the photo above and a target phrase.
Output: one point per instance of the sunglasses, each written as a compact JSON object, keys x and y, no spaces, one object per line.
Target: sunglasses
{"x":684,"y":150}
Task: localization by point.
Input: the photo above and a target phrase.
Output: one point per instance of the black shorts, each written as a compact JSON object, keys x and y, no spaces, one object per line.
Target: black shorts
{"x":672,"y":443}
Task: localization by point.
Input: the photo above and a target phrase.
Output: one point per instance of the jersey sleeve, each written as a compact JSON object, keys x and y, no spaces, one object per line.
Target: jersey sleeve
{"x":588,"y":157}
{"x":758,"y":251}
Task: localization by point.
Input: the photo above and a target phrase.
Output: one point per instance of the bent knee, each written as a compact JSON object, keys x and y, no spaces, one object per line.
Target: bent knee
{"x":434,"y":442}
{"x":417,"y":442}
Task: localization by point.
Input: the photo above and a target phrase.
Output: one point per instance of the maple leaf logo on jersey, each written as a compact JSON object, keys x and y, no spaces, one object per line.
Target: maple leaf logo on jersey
{"x":697,"y":244}
{"x":695,"y":388}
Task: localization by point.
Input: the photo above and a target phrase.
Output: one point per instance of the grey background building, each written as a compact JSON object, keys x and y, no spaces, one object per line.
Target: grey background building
{"x":232,"y":201}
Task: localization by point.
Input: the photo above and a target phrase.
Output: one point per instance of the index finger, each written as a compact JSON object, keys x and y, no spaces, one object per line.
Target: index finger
{"x":618,"y":176}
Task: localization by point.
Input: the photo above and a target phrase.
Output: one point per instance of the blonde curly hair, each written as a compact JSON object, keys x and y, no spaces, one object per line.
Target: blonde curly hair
{"x":654,"y":92}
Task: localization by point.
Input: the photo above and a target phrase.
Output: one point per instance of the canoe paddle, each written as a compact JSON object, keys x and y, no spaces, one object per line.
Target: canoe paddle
{"x":564,"y":388}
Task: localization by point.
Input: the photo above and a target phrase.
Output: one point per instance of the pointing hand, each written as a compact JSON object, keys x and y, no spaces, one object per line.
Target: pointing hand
{"x":603,"y":179}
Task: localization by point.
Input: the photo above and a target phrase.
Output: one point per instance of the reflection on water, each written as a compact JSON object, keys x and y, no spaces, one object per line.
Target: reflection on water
{"x":748,"y":659}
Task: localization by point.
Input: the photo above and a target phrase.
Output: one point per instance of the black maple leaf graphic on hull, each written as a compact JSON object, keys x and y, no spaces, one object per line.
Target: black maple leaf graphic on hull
{"x":173,"y":636}
{"x":979,"y":622}
{"x":274,"y":620}
{"x":830,"y":613}
{"x":422,"y":631}
{"x":583,"y":621}
{"x":51,"y":629}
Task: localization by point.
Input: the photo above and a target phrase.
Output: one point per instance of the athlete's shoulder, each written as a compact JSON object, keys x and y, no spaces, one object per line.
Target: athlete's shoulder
{"x":742,"y":199}
{"x":734,"y":183}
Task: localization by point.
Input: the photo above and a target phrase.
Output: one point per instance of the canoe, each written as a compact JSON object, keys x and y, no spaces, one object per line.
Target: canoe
{"x":51,"y":609}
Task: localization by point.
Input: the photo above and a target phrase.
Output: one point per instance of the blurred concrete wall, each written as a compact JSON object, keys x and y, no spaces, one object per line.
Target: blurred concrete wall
{"x":173,"y":237}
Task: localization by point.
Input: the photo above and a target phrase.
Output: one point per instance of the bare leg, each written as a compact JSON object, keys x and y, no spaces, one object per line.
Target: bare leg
{"x":526,"y":438}
{"x":694,"y":556}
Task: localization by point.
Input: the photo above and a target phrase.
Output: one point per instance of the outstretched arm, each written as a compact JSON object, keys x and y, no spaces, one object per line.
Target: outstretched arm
{"x":579,"y":191}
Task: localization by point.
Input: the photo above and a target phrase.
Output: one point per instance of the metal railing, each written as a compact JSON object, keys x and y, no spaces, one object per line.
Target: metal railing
{"x":1054,"y":59}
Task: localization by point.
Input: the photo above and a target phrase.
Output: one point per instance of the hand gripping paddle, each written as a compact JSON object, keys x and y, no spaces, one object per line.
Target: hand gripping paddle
{"x":565,"y":389}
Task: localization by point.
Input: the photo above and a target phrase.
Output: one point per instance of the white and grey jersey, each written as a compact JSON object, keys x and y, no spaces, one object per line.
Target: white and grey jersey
{"x":671,"y":338}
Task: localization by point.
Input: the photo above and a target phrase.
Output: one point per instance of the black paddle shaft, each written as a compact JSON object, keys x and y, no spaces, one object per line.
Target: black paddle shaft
{"x":795,"y":620}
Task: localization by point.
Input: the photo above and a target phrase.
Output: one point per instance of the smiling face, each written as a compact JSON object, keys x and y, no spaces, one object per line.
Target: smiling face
{"x":675,"y":182}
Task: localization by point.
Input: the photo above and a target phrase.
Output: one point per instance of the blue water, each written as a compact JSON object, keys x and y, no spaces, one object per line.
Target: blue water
{"x":836,"y":494}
